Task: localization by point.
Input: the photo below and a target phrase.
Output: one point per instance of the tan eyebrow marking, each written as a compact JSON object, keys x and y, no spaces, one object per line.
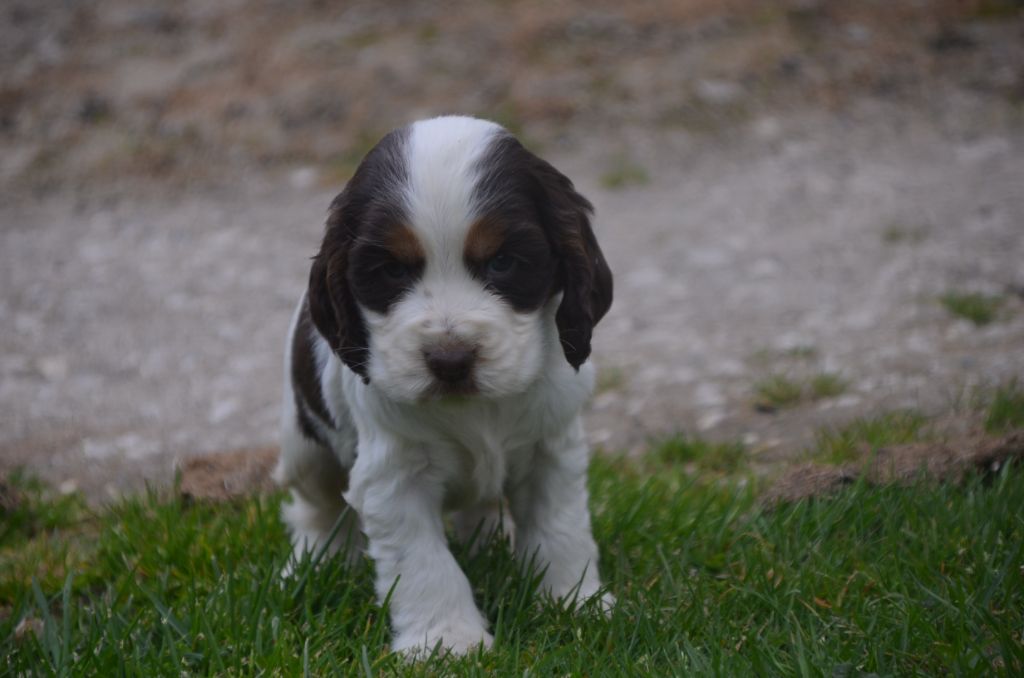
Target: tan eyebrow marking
{"x":403,"y":244}
{"x":484,"y":239}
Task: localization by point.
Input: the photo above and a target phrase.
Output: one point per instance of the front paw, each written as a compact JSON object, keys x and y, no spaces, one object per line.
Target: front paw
{"x":605,"y":603}
{"x":456,"y":637}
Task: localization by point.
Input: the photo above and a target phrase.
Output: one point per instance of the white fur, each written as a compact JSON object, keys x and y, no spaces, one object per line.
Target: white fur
{"x":314,"y":474}
{"x":448,"y":302}
{"x":411,"y":457}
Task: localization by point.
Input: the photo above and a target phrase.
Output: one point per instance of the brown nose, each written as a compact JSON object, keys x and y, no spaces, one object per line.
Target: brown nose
{"x":451,"y":363}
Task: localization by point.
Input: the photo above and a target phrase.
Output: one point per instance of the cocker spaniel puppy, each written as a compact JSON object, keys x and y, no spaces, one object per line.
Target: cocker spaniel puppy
{"x":438,"y":362}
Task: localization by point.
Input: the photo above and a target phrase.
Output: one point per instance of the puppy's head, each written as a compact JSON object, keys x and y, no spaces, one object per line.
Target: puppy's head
{"x":444,"y":259}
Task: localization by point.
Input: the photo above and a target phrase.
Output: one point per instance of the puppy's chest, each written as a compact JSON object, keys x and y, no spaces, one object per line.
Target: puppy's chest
{"x":479,"y":456}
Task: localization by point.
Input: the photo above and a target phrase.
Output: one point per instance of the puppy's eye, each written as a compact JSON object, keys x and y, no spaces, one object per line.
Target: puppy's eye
{"x":501,"y":263}
{"x":395,"y":270}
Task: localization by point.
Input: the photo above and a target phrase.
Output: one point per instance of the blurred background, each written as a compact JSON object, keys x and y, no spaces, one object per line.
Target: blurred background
{"x":814,"y":209}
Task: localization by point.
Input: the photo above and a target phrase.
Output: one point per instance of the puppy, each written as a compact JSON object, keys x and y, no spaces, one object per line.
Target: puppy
{"x":438,"y":361}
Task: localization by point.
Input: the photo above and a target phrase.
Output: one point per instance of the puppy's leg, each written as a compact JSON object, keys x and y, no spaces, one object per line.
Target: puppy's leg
{"x":549,"y":506}
{"x":316,"y":480}
{"x":400,"y":503}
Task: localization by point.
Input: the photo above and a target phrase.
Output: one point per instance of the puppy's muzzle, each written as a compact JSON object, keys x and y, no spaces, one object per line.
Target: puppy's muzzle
{"x":450,"y":363}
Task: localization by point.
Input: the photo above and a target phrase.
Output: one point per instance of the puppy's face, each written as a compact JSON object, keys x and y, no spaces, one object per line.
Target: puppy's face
{"x":445,"y":258}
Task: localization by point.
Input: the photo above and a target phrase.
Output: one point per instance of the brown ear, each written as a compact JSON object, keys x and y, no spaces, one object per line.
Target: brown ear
{"x":585,"y":279}
{"x":331,"y":304}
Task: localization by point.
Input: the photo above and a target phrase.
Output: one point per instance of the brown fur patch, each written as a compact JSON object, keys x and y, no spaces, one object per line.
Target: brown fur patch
{"x":403,"y":244}
{"x":485,"y":238}
{"x":306,"y":378}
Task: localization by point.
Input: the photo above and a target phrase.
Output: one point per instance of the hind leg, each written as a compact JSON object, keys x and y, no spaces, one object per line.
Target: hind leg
{"x":316,"y":480}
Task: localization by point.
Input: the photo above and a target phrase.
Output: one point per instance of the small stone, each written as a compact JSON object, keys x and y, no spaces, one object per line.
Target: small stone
{"x":155,"y":20}
{"x":848,"y":401}
{"x":93,"y":108}
{"x":53,"y":368}
{"x":28,"y":625}
{"x":857,"y":33}
{"x":709,"y":420}
{"x":648,"y":276}
{"x":303,"y":178}
{"x":767,"y":128}
{"x":222,"y":409}
{"x":727,"y":368}
{"x":765,"y":268}
{"x":15,"y":365}
{"x":708,"y":395}
{"x":717,"y":92}
{"x":790,"y":66}
{"x":96,"y":449}
{"x":604,"y":401}
{"x":951,"y":39}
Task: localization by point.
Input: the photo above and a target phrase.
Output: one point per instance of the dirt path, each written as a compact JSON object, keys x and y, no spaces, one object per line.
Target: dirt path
{"x":822,"y":250}
{"x":789,"y":238}
{"x":143,"y":331}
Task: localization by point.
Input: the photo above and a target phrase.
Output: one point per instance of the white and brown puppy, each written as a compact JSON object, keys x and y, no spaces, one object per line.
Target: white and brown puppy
{"x":438,"y":361}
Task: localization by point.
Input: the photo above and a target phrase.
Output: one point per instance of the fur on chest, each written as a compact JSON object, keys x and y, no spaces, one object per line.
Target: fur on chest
{"x":474,"y":447}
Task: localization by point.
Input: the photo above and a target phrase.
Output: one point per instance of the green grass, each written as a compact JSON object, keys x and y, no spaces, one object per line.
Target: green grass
{"x":921,"y":581}
{"x":980,"y":309}
{"x":609,"y":379}
{"x":703,"y":454}
{"x":34,"y":540}
{"x":778,"y":391}
{"x":845,"y":444}
{"x":996,"y":9}
{"x":623,"y":173}
{"x":898,"y":232}
{"x":364,"y":38}
{"x":1006,"y":411}
{"x":826,"y":385}
{"x":801,"y":352}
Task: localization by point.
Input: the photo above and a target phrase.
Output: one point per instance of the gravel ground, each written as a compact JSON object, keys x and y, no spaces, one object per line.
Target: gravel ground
{"x":770,"y":228}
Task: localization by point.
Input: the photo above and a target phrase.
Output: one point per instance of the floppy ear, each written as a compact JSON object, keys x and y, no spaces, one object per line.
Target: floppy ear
{"x":331,"y":304}
{"x":585,"y":279}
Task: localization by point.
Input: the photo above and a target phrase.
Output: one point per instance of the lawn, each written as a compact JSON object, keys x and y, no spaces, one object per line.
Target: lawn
{"x":927,"y":580}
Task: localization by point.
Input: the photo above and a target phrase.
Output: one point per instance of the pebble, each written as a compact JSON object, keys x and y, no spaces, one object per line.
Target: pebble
{"x":223,"y":409}
{"x":708,"y":394}
{"x":131,"y":446}
{"x":303,"y":178}
{"x":717,"y":92}
{"x":53,"y":368}
{"x":709,"y":420}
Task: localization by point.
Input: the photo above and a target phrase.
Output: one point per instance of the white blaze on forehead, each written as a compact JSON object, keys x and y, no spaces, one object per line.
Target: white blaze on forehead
{"x":442,"y":169}
{"x":442,"y":157}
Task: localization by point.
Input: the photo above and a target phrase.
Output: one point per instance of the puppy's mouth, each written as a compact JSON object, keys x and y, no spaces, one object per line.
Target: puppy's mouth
{"x":446,"y":390}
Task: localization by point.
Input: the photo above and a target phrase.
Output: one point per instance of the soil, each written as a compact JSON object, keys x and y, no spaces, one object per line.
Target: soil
{"x":782,"y":188}
{"x":952,"y":461}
